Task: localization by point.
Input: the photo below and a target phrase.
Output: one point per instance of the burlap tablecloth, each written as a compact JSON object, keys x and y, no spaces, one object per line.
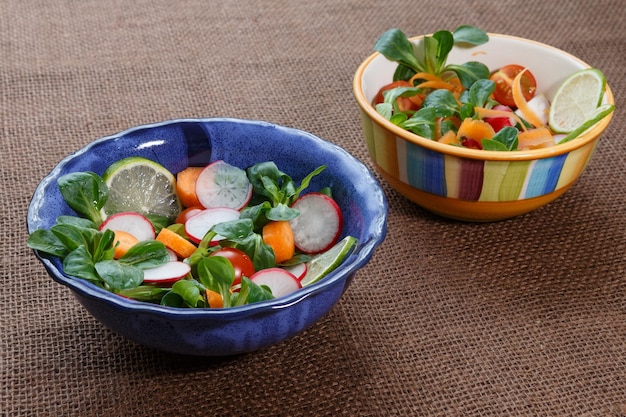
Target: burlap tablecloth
{"x":525,"y":317}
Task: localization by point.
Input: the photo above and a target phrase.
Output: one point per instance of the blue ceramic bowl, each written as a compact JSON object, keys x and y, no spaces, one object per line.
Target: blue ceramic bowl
{"x":195,"y":142}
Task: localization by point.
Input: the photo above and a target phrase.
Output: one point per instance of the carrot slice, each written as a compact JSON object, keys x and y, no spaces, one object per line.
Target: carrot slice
{"x":535,"y":138}
{"x":449,"y":138}
{"x":437,"y":85}
{"x":186,"y":186}
{"x":475,"y":129}
{"x":279,"y":236}
{"x":172,"y":240}
{"x":214,"y":299}
{"x":123,"y":241}
{"x":521,"y":103}
{"x":424,"y":76}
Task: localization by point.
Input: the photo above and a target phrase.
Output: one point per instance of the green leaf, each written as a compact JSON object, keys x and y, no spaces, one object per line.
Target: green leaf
{"x":145,"y":254}
{"x":480,"y":91}
{"x":149,"y":293}
{"x":445,"y":42}
{"x":255,"y":292}
{"x":304,"y":184}
{"x":403,"y":73}
{"x":395,"y":46}
{"x":171,"y":299}
{"x":217,"y":274}
{"x":443,"y":102}
{"x":470,"y":35}
{"x":78,"y":263}
{"x":158,"y":222}
{"x":235,"y":229}
{"x":72,"y":236}
{"x":469,"y":72}
{"x":385,"y":110}
{"x":45,"y":241}
{"x":282,"y":212}
{"x":422,"y":123}
{"x":189,"y":291}
{"x":119,"y":276}
{"x":103,"y":246}
{"x":85,"y":192}
{"x":505,"y":140}
{"x":76,"y":221}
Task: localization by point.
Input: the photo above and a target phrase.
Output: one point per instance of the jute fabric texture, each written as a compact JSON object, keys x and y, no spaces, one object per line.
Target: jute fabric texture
{"x":525,"y":317}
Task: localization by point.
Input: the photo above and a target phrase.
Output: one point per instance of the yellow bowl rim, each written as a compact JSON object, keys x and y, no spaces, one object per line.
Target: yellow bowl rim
{"x":526,"y":155}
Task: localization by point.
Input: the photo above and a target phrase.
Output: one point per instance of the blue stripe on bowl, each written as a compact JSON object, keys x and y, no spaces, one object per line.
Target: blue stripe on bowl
{"x":425,"y":169}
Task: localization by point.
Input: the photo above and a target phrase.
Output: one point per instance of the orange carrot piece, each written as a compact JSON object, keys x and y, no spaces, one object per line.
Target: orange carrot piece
{"x":449,"y":138}
{"x":475,"y":129}
{"x":521,"y":103}
{"x":172,"y":240}
{"x":279,"y":236}
{"x":424,"y":76}
{"x":437,"y":85}
{"x":186,"y":186}
{"x":535,"y":138}
{"x":214,"y":299}
{"x":123,"y":241}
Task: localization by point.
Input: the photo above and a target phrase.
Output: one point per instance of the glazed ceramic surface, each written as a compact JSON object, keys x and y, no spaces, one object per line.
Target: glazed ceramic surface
{"x":181,"y":143}
{"x":469,"y":184}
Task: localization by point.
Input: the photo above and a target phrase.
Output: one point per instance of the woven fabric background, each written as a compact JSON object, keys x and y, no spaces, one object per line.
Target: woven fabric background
{"x":525,"y":317}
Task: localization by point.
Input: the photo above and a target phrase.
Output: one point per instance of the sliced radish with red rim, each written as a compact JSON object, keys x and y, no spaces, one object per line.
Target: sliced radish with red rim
{"x":130,"y":222}
{"x":166,"y":273}
{"x":199,"y":224}
{"x":279,"y":281}
{"x":319,"y":224}
{"x":223,"y":185}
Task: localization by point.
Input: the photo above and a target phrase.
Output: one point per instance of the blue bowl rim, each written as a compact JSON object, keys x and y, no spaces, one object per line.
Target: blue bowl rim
{"x":359,"y":257}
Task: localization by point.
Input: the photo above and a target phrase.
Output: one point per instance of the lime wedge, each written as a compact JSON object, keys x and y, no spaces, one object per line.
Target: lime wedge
{"x":576,"y":99}
{"x":599,"y":114}
{"x":140,"y":185}
{"x":323,"y":264}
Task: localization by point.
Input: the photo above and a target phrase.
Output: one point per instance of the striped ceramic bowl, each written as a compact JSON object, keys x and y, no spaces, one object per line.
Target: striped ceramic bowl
{"x":469,"y":184}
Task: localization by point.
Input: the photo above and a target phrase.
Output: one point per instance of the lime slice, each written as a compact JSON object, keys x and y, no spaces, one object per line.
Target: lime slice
{"x":140,"y":185}
{"x":576,"y":99}
{"x":599,"y":114}
{"x":323,"y":264}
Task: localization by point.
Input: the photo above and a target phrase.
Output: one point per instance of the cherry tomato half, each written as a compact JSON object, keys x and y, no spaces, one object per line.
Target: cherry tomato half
{"x":504,"y":80}
{"x":241,"y":262}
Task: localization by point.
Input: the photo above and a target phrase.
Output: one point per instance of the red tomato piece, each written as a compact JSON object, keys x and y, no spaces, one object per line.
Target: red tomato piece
{"x":241,"y":262}
{"x":404,"y":103}
{"x":504,"y":80}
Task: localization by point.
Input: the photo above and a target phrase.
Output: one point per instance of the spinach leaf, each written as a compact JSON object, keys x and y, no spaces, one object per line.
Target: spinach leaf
{"x":190,"y":291}
{"x":470,"y":35}
{"x":119,"y":276}
{"x":442,"y":102}
{"x":422,"y":123}
{"x":47,"y":242}
{"x":395,"y":46}
{"x":505,"y":140}
{"x":85,"y":192}
{"x":145,"y":254}
{"x":217,"y":274}
{"x":78,"y":263}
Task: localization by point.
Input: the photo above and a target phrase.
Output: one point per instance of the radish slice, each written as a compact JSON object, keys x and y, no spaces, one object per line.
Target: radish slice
{"x":223,"y":185}
{"x":298,"y":270}
{"x":166,"y":273}
{"x":279,"y":281}
{"x":130,"y":222}
{"x":199,"y":224}
{"x":318,"y":226}
{"x":171,"y":254}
